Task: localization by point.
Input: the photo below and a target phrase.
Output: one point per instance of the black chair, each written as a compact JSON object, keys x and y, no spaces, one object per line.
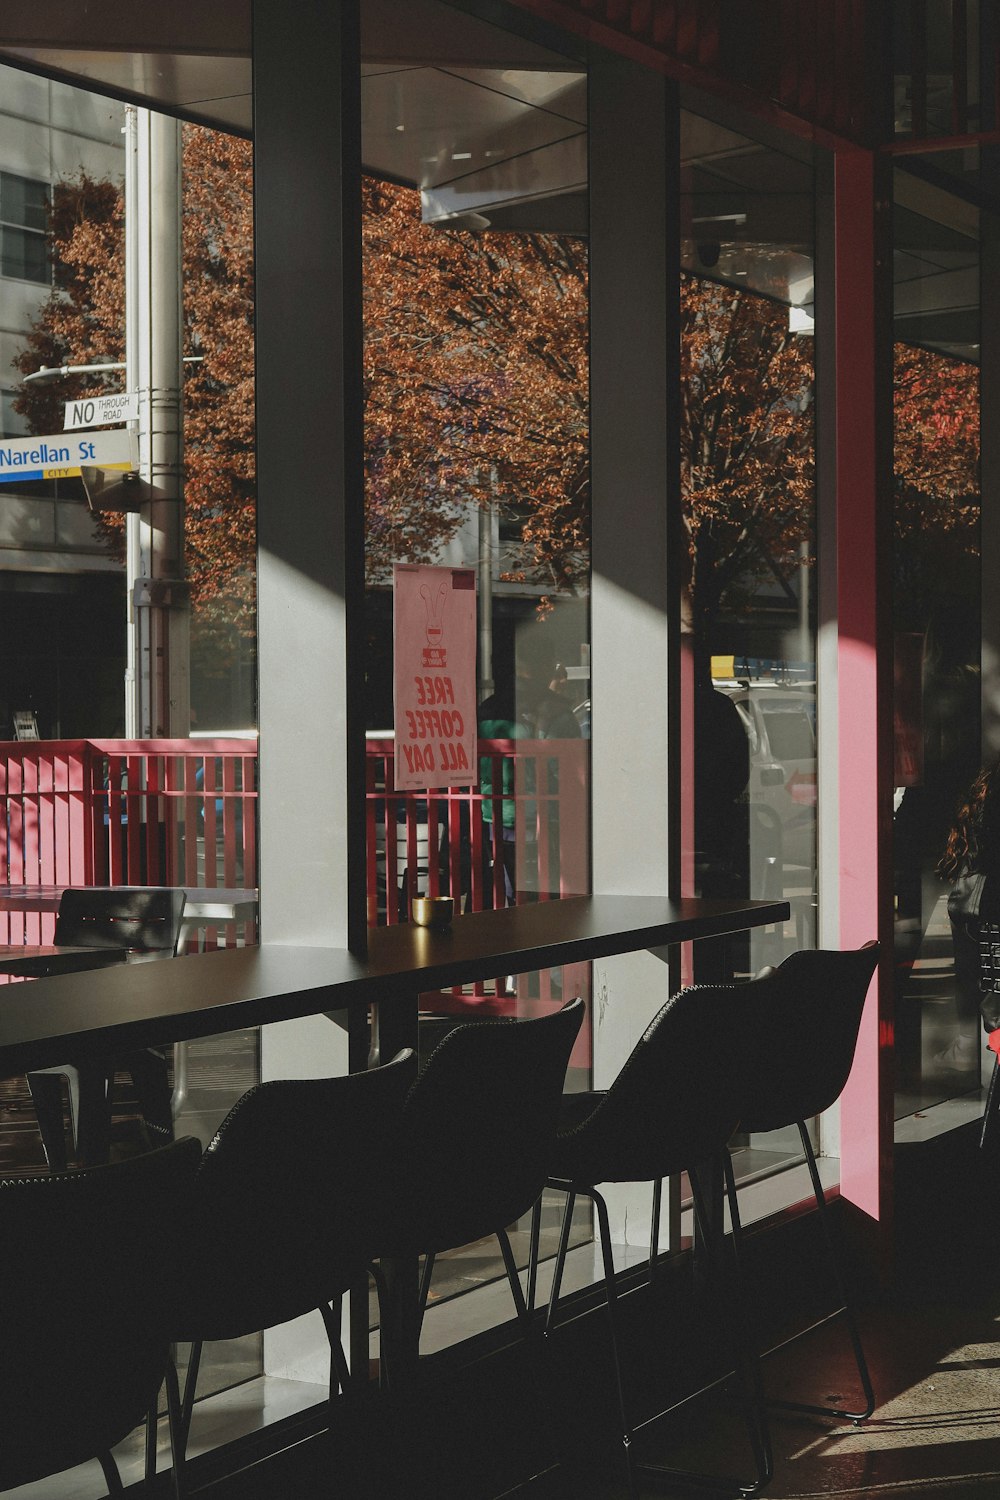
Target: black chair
{"x":672,"y":1109}
{"x":145,"y":922}
{"x":82,"y":1327}
{"x":801,"y":1023}
{"x":286,"y":1210}
{"x":141,"y":919}
{"x":478,"y":1126}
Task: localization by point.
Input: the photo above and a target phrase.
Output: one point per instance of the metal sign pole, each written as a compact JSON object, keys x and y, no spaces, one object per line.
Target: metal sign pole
{"x":158,"y":675}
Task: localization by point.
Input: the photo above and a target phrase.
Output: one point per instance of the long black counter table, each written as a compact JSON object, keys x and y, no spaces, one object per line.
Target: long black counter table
{"x":46,"y":1021}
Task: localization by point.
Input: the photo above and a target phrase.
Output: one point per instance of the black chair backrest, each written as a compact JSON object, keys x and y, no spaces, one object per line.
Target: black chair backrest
{"x":675,"y":1102}
{"x":82,"y":1327}
{"x":799,"y":1027}
{"x":144,"y":920}
{"x":284,"y":1212}
{"x":478,"y":1127}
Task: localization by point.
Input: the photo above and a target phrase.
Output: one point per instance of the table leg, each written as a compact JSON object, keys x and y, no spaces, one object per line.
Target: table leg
{"x":712,"y":965}
{"x":713,"y":961}
{"x":358,"y":1061}
{"x":94,"y":1141}
{"x":393,"y":1027}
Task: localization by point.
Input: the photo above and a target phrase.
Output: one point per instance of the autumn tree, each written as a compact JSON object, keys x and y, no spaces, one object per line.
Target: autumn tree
{"x":747,"y":451}
{"x":219,"y":439}
{"x":475,"y":375}
{"x":937,"y":501}
{"x":476,"y":388}
{"x":83,"y":322}
{"x":746,"y":441}
{"x":476,"y":394}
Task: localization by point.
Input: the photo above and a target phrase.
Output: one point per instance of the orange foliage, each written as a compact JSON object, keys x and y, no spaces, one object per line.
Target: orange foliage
{"x":936,"y":445}
{"x":476,"y":393}
{"x":747,"y":442}
{"x":475,"y":374}
{"x":475,"y":388}
{"x":83,"y":322}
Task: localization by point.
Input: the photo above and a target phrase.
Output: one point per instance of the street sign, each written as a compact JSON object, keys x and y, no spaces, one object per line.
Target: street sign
{"x":62,"y":457}
{"x":98,"y":411}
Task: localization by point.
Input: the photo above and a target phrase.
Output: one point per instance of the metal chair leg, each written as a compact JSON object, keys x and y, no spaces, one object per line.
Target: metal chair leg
{"x":150,"y":1443}
{"x":611,"y":1286}
{"x":746,"y":1342}
{"x":178,"y":1433}
{"x":654,"y":1228}
{"x":557,"y":1273}
{"x":381,"y":1293}
{"x":744,"y":1359}
{"x":93,"y":1143}
{"x":425,"y":1287}
{"x":533,"y":1251}
{"x":340,"y":1375}
{"x":190,"y":1382}
{"x":111,"y":1476}
{"x":845,"y":1310}
{"x":514,"y":1279}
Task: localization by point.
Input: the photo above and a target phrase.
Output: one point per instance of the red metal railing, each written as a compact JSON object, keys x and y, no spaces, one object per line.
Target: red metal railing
{"x":524,"y":838}
{"x":183,"y":812}
{"x":125,"y":812}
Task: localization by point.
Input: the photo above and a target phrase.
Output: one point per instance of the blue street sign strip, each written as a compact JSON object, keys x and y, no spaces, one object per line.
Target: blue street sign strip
{"x":63,"y":457}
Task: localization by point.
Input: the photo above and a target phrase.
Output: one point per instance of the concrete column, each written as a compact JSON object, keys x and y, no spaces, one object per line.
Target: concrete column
{"x":309,"y":522}
{"x":634,"y":359}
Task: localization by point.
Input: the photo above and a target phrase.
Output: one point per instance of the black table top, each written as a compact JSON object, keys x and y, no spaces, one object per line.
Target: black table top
{"x":28,"y":959}
{"x":48,"y":1021}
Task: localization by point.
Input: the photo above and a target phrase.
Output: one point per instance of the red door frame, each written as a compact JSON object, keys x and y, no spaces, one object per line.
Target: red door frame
{"x":863,"y":441}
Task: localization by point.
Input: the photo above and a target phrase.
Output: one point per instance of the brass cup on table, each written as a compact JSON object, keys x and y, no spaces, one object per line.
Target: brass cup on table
{"x":432,"y":911}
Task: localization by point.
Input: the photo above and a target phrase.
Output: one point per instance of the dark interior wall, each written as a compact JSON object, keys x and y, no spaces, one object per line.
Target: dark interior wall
{"x":62,"y":653}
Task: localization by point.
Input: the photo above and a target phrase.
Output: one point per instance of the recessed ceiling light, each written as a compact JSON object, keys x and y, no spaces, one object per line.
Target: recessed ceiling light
{"x":461,"y":156}
{"x":400,"y":127}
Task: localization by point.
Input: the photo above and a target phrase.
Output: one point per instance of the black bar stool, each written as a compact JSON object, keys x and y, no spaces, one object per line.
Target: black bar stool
{"x":672,"y":1108}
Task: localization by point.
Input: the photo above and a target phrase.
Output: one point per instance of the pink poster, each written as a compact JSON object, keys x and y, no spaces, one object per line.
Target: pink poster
{"x":434,"y":681}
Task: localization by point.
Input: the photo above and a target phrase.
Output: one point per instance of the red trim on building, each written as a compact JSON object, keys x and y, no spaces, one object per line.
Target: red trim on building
{"x":864,"y":660}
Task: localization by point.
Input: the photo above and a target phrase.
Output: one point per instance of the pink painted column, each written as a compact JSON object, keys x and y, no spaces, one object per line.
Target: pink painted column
{"x":864,"y":499}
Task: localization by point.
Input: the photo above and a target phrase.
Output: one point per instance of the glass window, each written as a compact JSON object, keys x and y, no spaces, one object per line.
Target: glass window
{"x":178,"y":807}
{"x":748,"y":497}
{"x":476,"y":453}
{"x":12,"y":424}
{"x":747,"y":448}
{"x":938,"y":625}
{"x":24,"y":207}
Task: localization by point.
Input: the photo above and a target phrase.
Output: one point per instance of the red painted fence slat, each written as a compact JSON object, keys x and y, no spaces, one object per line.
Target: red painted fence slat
{"x":183,"y":812}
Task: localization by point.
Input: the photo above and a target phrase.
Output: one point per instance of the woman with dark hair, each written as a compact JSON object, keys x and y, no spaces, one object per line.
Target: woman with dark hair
{"x":972,"y":862}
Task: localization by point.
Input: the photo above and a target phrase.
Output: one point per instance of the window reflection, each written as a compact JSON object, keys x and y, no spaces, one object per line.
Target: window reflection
{"x":937,"y":623}
{"x":748,"y":505}
{"x":476,"y":369}
{"x":748,"y":498}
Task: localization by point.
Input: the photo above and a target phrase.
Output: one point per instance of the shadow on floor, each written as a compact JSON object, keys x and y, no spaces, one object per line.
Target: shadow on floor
{"x":932,"y":1337}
